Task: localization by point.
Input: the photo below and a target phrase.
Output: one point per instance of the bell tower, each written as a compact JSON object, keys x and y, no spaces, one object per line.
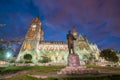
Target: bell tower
{"x":30,"y":45}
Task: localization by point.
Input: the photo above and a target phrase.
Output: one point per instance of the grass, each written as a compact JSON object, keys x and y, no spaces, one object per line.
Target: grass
{"x":26,"y":77}
{"x":35,"y":69}
{"x":21,"y":77}
{"x":47,"y":69}
{"x":30,"y":69}
{"x":104,"y":67}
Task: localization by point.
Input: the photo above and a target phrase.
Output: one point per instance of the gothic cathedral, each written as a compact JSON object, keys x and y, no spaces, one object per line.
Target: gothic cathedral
{"x":35,"y":46}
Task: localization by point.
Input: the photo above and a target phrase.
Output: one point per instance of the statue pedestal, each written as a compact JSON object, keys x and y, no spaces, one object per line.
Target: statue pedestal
{"x":73,"y":60}
{"x":74,"y":67}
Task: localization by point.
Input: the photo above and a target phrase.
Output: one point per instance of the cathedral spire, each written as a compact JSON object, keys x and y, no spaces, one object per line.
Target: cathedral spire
{"x":37,"y":19}
{"x":85,"y":38}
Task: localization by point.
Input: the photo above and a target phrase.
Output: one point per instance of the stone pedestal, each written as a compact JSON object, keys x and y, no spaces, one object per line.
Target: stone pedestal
{"x":73,"y":60}
{"x":74,"y":67}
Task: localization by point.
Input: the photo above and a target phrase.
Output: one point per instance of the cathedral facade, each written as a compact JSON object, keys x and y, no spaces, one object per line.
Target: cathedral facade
{"x":57,"y":51}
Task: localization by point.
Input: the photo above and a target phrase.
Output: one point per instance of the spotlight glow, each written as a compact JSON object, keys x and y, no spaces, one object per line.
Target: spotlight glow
{"x":8,"y":55}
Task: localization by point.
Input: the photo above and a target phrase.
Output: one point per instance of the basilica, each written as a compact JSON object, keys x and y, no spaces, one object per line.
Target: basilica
{"x":57,"y":51}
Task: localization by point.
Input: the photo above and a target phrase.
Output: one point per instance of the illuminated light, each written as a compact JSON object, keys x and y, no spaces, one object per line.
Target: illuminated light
{"x":34,"y":26}
{"x":28,"y":46}
{"x":8,"y":55}
{"x":24,"y":46}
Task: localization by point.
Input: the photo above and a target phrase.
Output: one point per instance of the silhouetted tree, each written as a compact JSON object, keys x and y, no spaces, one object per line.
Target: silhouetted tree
{"x":109,"y":55}
{"x":1,"y":54}
{"x":45,"y":59}
{"x":27,"y":58}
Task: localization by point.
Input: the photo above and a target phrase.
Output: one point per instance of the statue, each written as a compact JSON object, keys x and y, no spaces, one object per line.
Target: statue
{"x":70,"y":39}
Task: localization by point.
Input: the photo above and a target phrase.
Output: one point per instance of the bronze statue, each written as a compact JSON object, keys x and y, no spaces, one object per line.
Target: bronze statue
{"x":70,"y":39}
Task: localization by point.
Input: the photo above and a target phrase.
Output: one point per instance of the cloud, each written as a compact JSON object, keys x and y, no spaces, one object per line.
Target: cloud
{"x":98,"y":19}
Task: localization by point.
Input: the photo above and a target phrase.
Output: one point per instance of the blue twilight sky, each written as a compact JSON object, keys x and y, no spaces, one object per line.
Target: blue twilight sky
{"x":98,"y":19}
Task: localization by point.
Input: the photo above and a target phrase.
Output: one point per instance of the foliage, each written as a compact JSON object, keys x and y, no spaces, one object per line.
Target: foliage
{"x":12,"y":60}
{"x":20,"y":61}
{"x":1,"y":49}
{"x":27,"y":57}
{"x":1,"y":54}
{"x":28,"y":61}
{"x":109,"y":55}
{"x":45,"y":59}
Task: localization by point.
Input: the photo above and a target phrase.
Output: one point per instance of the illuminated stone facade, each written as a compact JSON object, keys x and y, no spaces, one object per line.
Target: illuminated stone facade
{"x":57,"y":51}
{"x":31,"y":43}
